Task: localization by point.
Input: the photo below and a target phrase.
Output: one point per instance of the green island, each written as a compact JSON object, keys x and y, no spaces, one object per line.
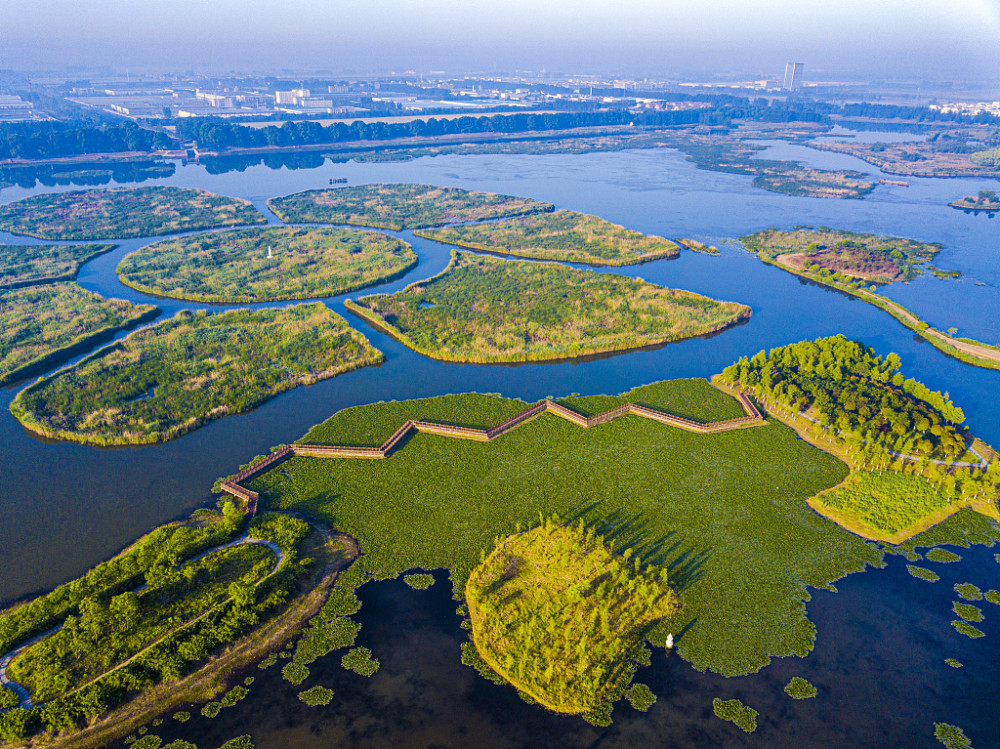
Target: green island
{"x":398,"y":207}
{"x":567,"y":236}
{"x":177,"y":607}
{"x":800,"y":689}
{"x":263,"y":265}
{"x":917,"y":158}
{"x":943,"y":556}
{"x":986,"y":200}
{"x":487,"y":310}
{"x":168,"y":379}
{"x":316,"y":696}
{"x":910,"y":462}
{"x":734,"y":711}
{"x":123,"y":212}
{"x":865,"y":259}
{"x":951,"y":736}
{"x":696,"y":246}
{"x":922,"y":573}
{"x":41,"y":326}
{"x":562,"y":617}
{"x":34,"y":264}
{"x":968,"y":592}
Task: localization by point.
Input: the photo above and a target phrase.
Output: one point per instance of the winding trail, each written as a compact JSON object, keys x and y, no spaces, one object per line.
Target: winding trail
{"x":7,"y":658}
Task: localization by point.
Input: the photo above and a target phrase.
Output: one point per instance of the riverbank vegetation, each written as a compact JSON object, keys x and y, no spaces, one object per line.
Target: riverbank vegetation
{"x":562,"y":617}
{"x":166,"y":380}
{"x":567,"y":236}
{"x":986,"y":200}
{"x":398,"y":207}
{"x":263,"y":265}
{"x":43,"y":325}
{"x":715,"y":510}
{"x":123,"y":212}
{"x":483,"y":309}
{"x":33,"y":264}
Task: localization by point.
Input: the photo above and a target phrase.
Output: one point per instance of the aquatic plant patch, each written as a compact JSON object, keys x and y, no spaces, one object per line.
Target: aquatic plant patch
{"x":921,"y":573}
{"x":963,"y":627}
{"x":35,"y":264}
{"x":743,"y":717}
{"x":887,"y":502}
{"x":951,"y":736}
{"x":360,"y":661}
{"x":968,"y":592}
{"x":967,"y":611}
{"x":419,"y":581}
{"x":316,"y":696}
{"x":800,"y":689}
{"x":943,"y":556}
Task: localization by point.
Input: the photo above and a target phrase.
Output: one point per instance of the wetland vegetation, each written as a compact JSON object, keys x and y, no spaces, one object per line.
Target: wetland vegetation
{"x":734,"y":711}
{"x":986,"y":200}
{"x":43,"y":325}
{"x":567,"y":236}
{"x":123,"y":212}
{"x":398,"y":207}
{"x":262,"y":265}
{"x":483,"y":309}
{"x":163,"y":381}
{"x":34,"y":264}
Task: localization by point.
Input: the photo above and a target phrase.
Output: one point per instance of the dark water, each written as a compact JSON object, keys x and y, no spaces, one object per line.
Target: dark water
{"x":65,"y":507}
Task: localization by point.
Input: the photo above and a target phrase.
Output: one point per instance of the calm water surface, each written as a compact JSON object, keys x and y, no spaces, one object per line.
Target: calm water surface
{"x":878,"y":660}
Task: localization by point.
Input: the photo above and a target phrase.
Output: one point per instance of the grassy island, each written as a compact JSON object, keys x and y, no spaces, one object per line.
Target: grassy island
{"x":124,"y":212}
{"x":724,"y":513}
{"x":398,"y":207}
{"x":43,"y":325}
{"x":986,"y":200}
{"x":33,"y":264}
{"x":163,"y":381}
{"x":862,"y":264}
{"x":563,"y":235}
{"x":483,"y":309}
{"x":261,"y":265}
{"x":562,"y":617}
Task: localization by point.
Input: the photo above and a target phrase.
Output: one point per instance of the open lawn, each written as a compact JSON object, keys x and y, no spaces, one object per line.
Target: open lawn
{"x":32,"y":264}
{"x":42,"y":325}
{"x":163,"y":381}
{"x":398,"y":207}
{"x":562,"y":617}
{"x":123,"y":212}
{"x":724,"y":513}
{"x":233,"y":267}
{"x":564,"y":235}
{"x":483,"y":309}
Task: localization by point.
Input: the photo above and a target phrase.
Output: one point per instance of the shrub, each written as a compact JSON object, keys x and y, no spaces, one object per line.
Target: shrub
{"x":736,"y":712}
{"x":211,"y":709}
{"x":182,"y":717}
{"x":800,"y":689}
{"x":951,"y":736}
{"x":360,"y":661}
{"x":294,"y":672}
{"x":419,"y":581}
{"x":640,"y":697}
{"x":316,"y":696}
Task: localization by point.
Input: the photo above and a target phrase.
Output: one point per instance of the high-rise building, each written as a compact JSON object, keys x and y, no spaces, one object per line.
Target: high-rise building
{"x":793,"y":76}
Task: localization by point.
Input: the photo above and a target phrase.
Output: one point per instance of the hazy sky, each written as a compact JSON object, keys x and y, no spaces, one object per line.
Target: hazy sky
{"x":937,"y":38}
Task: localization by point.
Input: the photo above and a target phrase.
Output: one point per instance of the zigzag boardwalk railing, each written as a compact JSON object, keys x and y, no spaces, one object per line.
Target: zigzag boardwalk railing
{"x":234,"y":486}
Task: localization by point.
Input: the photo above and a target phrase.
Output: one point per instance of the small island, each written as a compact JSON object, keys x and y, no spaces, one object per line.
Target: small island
{"x":986,"y":200}
{"x":33,"y":264}
{"x":488,"y":310}
{"x":169,"y":379}
{"x":562,"y":617}
{"x":567,"y":236}
{"x":263,"y":265}
{"x":41,"y":326}
{"x":397,"y":207}
{"x":123,"y":212}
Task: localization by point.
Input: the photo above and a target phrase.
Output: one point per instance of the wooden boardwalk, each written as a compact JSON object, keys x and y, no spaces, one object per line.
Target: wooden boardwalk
{"x":234,"y":485}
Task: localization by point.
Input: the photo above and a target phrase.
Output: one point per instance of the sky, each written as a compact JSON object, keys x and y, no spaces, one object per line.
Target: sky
{"x":938,"y":39}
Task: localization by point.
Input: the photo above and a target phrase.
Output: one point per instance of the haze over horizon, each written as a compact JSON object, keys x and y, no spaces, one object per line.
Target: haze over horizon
{"x":895,"y":39}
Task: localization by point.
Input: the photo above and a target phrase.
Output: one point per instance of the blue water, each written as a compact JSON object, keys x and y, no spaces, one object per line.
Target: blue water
{"x":64,"y":507}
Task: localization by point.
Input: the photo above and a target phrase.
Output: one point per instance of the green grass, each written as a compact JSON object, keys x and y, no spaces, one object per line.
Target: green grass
{"x":33,"y":264}
{"x":640,"y":697}
{"x":943,"y":556}
{"x":295,"y":673}
{"x":360,"y":661}
{"x":316,"y":696}
{"x":718,"y":509}
{"x":743,"y":717}
{"x":398,"y":207}
{"x":419,"y":581}
{"x":562,"y":618}
{"x":923,"y":574}
{"x":233,"y":267}
{"x":951,"y":736}
{"x":967,"y":629}
{"x":163,"y":381}
{"x":968,"y":592}
{"x":484,"y":309}
{"x":889,"y":502}
{"x":8,"y":698}
{"x":564,"y":235}
{"x":123,"y":212}
{"x":965,"y":528}
{"x":967,"y":611}
{"x":43,"y":325}
{"x":953,"y":663}
{"x":800,"y":689}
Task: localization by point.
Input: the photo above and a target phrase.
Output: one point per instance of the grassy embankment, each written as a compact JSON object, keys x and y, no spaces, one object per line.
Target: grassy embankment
{"x":563,"y":235}
{"x":35,"y":264}
{"x":233,"y":267}
{"x":123,"y":212}
{"x":986,"y":200}
{"x":913,"y":159}
{"x":166,"y":380}
{"x":482,"y":309}
{"x":770,"y":248}
{"x":696,"y":246}
{"x":398,"y":207}
{"x":562,"y":617}
{"x":724,"y":513}
{"x":41,"y":326}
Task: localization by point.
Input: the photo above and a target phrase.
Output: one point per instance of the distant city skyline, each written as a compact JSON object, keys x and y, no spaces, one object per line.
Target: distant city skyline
{"x":903,"y":38}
